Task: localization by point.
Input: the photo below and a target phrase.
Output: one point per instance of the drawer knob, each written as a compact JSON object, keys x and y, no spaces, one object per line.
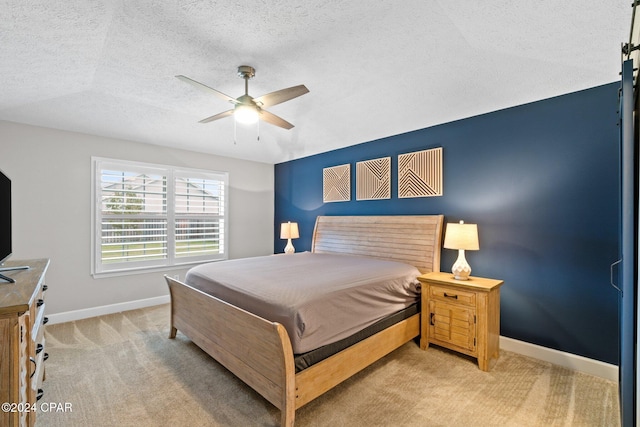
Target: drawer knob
{"x":45,"y":320}
{"x":40,"y":394}
{"x":45,"y":287}
{"x":35,"y":366}
{"x":40,"y":302}
{"x":46,"y":356}
{"x":39,"y":348}
{"x":454,"y":296}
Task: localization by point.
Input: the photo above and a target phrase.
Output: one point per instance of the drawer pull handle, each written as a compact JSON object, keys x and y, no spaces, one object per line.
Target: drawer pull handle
{"x":454,"y":296}
{"x":45,"y":320}
{"x":432,"y":320}
{"x":35,"y":366}
{"x":40,"y":302}
{"x":611,"y":274}
{"x":39,"y":348}
{"x":40,"y":394}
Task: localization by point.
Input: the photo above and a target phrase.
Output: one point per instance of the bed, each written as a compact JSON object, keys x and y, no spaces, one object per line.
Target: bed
{"x":260,"y":351}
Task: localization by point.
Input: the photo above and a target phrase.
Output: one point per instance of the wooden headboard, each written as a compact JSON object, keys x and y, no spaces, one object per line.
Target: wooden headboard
{"x":413,"y":239}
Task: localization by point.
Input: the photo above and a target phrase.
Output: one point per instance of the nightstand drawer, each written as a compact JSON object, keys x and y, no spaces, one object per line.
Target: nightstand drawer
{"x":452,"y":295}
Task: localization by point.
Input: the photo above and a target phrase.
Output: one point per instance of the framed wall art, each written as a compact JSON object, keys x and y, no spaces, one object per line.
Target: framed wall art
{"x":420,"y":173}
{"x":373,"y":179}
{"x":336,"y":183}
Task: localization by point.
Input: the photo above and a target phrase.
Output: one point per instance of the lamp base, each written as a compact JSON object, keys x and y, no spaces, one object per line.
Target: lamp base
{"x":289,"y":249}
{"x":461,"y":268}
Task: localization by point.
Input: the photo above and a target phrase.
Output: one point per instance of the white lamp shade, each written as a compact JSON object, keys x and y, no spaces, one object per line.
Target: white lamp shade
{"x":461,"y":236}
{"x":289,"y":230}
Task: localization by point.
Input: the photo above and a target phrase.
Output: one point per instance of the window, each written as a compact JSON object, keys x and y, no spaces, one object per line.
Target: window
{"x":149,"y":216}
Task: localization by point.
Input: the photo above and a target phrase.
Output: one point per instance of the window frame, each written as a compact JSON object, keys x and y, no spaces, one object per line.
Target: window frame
{"x":100,"y":269}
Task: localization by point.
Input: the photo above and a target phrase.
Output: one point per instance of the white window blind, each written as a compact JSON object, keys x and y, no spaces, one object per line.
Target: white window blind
{"x":148,"y":216}
{"x":199,"y":215}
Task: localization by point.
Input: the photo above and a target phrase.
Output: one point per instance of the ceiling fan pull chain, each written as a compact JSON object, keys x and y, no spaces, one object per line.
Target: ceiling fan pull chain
{"x":235,"y":134}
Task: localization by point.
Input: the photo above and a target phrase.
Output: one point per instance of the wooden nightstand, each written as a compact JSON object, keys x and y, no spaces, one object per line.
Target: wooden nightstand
{"x":462,"y":315}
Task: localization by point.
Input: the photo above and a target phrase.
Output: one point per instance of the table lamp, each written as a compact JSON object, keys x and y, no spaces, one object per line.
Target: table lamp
{"x":461,"y":237}
{"x":289,"y":230}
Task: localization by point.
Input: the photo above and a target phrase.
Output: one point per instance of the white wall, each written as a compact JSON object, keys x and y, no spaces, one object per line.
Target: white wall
{"x":50,"y":172}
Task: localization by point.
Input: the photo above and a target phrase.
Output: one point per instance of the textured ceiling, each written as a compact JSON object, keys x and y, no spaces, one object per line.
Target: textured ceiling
{"x":374,"y":68}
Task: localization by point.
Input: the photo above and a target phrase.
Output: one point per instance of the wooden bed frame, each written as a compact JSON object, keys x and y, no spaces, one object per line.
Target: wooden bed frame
{"x":259,"y":351}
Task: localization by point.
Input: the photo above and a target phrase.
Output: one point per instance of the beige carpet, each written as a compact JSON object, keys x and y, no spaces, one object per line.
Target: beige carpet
{"x":122,"y":370}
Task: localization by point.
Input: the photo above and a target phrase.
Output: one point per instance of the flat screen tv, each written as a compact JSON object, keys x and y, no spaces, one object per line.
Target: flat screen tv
{"x":5,"y":217}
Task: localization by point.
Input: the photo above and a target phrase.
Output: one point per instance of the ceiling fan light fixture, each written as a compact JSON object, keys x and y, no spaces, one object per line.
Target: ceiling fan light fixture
{"x":245,"y":114}
{"x":247,"y":109}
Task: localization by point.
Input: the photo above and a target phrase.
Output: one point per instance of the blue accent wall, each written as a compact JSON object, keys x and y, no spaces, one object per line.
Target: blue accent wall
{"x":541,"y":180}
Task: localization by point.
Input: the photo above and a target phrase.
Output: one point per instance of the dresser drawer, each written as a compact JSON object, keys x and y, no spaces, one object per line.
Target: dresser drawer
{"x":22,"y":341}
{"x":452,"y":295}
{"x":37,"y":354}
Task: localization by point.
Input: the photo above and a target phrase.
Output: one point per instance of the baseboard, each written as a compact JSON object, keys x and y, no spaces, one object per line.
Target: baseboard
{"x":560,"y":358}
{"x":70,"y":316}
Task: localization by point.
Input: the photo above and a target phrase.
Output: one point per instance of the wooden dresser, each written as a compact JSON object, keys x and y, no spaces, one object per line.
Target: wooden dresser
{"x":462,"y":315}
{"x":22,"y":352}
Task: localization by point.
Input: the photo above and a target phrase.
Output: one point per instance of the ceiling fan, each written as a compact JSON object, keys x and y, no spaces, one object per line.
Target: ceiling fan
{"x":248,"y":109}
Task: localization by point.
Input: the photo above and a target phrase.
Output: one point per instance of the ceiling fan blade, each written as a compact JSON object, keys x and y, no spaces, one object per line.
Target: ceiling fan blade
{"x":217,"y":116}
{"x":207,"y":88}
{"x":274,"y":120}
{"x":280,"y":96}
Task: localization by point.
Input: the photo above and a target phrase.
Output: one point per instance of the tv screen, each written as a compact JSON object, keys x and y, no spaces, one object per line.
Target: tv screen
{"x":5,"y":217}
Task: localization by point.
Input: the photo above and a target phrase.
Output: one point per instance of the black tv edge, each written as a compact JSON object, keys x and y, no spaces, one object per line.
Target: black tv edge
{"x":6,"y":246}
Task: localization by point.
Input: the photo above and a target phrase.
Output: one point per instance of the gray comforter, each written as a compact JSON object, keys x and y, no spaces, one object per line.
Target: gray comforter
{"x":318,"y":298}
